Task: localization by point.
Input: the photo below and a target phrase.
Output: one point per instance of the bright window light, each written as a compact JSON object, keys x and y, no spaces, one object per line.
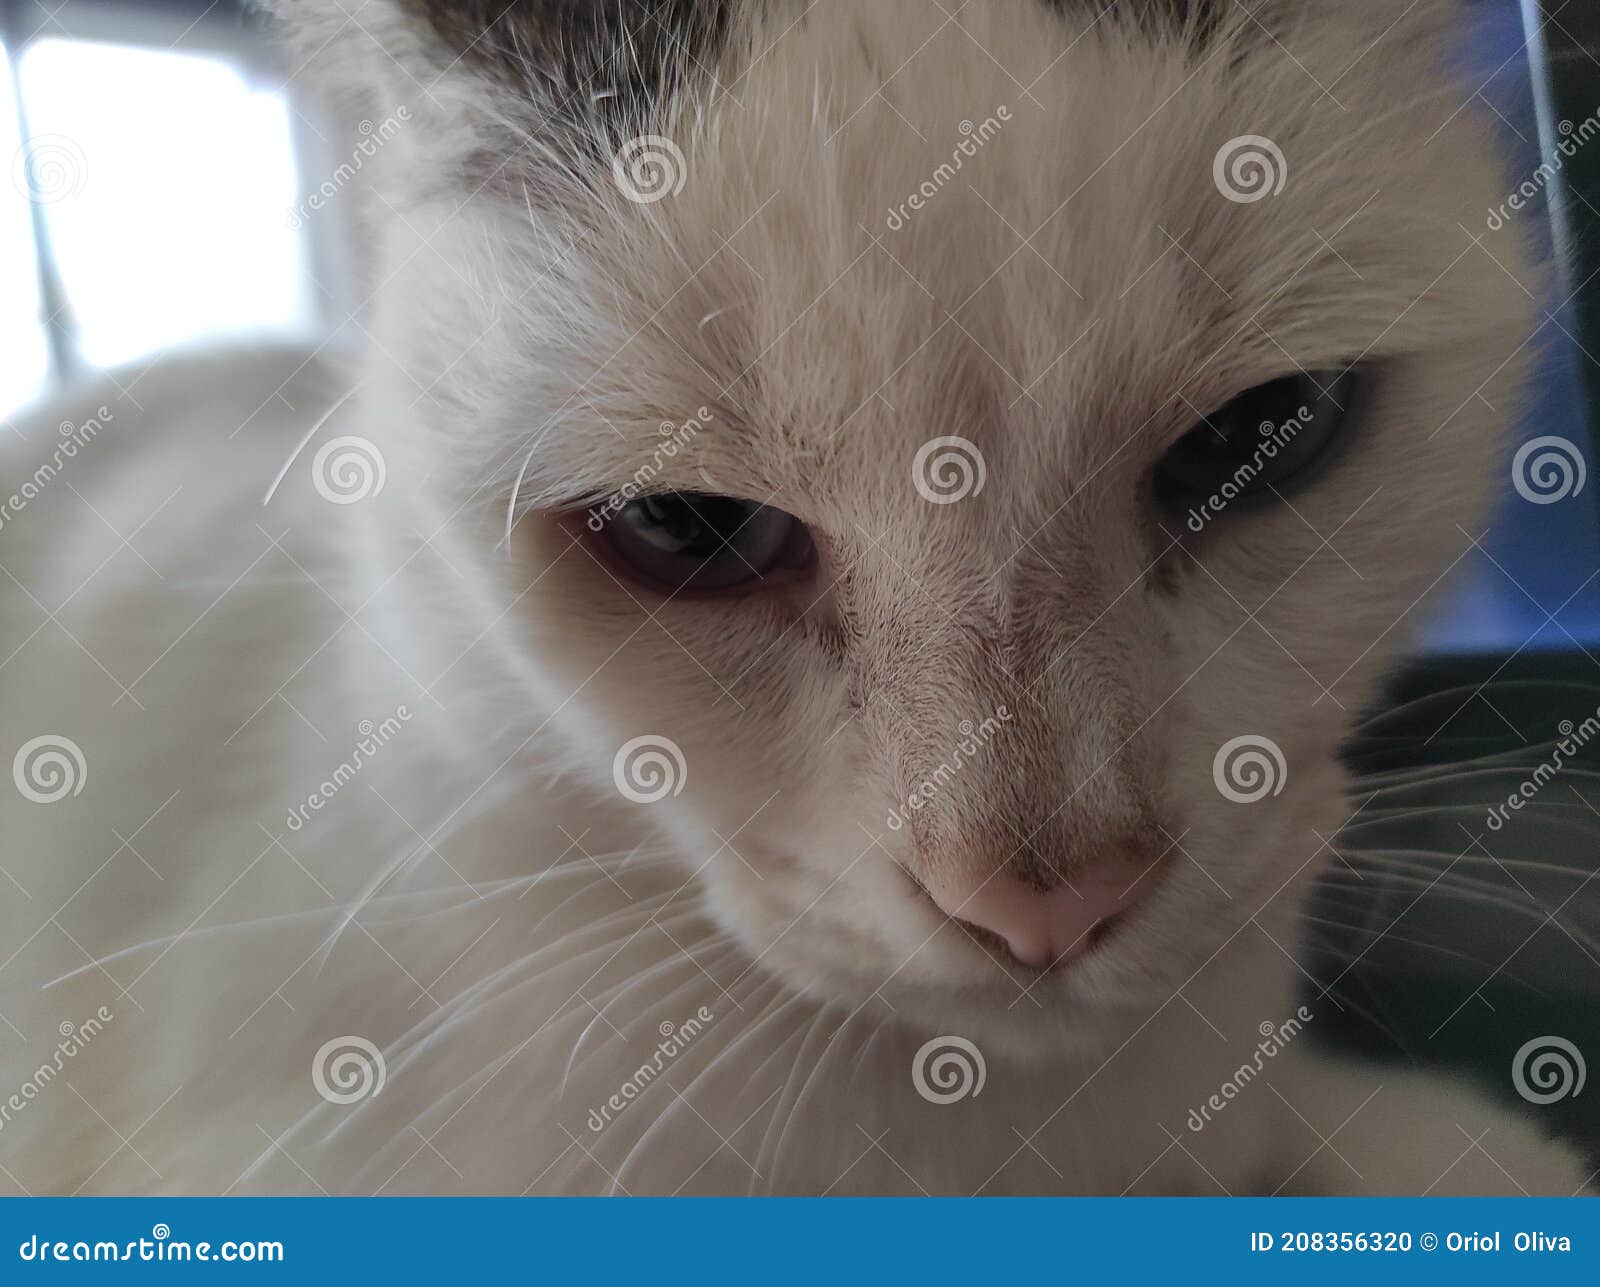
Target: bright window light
{"x":26,"y":363}
{"x":169,"y":211}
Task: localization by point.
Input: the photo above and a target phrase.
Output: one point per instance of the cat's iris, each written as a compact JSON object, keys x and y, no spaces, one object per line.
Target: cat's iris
{"x":695,"y":542}
{"x":1262,"y":443}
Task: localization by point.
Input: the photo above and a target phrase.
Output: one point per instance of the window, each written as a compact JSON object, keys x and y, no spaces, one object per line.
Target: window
{"x":168,"y":206}
{"x":25,"y":370}
{"x":151,"y":205}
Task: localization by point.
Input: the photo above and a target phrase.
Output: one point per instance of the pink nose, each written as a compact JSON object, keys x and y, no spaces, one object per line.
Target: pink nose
{"x":1042,"y":927}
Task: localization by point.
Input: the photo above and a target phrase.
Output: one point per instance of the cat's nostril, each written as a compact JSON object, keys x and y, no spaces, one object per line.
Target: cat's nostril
{"x":1042,"y":928}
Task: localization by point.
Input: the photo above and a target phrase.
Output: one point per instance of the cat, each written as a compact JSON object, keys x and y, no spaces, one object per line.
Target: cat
{"x":807,"y":651}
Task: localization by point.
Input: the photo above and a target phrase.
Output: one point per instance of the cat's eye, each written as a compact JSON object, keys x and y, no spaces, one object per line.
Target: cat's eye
{"x":1262,"y":443}
{"x":694,"y":542}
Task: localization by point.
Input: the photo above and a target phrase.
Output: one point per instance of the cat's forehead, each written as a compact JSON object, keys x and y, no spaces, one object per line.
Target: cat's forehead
{"x":844,"y":230}
{"x":899,"y":223}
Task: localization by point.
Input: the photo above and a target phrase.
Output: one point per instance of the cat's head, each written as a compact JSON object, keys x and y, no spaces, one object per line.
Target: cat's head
{"x":970,"y":463}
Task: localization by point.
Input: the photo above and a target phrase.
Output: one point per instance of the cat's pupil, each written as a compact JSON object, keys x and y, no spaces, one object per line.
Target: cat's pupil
{"x":671,"y":523}
{"x":688,"y":540}
{"x":1260,"y":444}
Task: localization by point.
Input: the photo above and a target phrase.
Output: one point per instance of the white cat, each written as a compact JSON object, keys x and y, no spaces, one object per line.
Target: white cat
{"x":809,"y":653}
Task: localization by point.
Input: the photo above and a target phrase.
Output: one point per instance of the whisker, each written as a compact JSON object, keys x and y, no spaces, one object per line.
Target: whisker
{"x":1378,"y":860}
{"x":466,"y":1089}
{"x":505,"y":982}
{"x":626,"y":988}
{"x":766,"y":1157}
{"x":1486,"y":896}
{"x":756,"y":1026}
{"x":1389,"y":935}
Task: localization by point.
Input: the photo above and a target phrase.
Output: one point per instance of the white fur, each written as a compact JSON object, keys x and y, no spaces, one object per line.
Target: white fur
{"x":479,"y":901}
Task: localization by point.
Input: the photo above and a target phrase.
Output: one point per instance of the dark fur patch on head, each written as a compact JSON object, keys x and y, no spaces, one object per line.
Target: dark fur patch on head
{"x":1198,"y":19}
{"x":595,"y":61}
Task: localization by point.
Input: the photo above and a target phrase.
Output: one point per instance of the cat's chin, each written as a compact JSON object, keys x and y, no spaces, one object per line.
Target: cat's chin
{"x":1049,"y":1022}
{"x":1082,"y":1011}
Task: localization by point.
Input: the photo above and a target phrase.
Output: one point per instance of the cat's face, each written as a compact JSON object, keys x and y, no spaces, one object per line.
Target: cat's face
{"x":1021,"y":658}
